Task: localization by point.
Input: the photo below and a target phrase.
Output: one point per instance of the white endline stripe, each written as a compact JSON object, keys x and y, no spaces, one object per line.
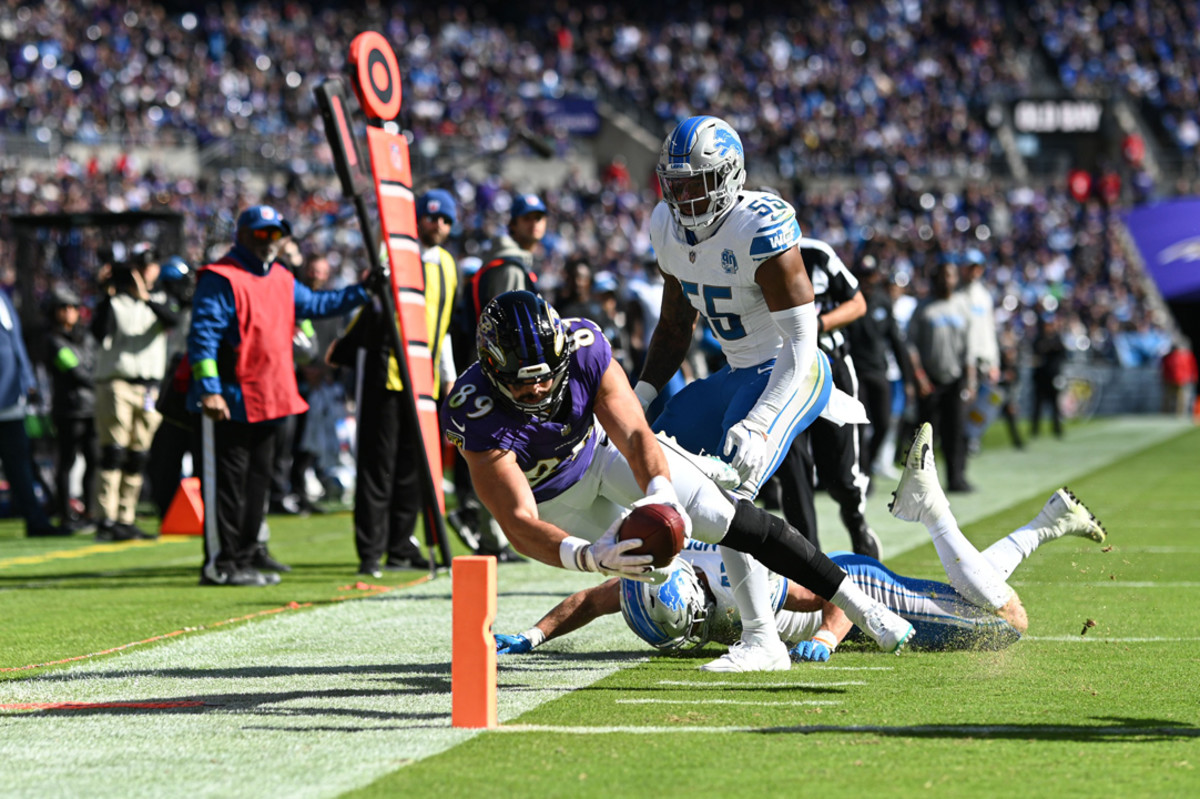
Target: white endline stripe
{"x":755,"y":685}
{"x":927,"y":729}
{"x":726,"y":702}
{"x":1086,"y":639}
{"x":1110,"y":584}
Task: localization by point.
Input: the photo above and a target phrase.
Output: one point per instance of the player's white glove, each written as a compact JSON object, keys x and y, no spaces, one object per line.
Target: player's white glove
{"x":661,"y":492}
{"x":609,"y":556}
{"x":747,"y":450}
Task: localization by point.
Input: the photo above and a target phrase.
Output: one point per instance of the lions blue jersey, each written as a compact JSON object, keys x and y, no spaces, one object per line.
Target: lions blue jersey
{"x":717,"y":274}
{"x":553,"y":453}
{"x":942,"y":618}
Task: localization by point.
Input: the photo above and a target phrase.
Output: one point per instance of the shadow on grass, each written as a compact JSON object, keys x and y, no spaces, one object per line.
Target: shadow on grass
{"x":258,"y":703}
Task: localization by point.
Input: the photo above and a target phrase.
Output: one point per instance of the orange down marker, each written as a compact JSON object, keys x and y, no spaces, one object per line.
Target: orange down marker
{"x":473,"y":652}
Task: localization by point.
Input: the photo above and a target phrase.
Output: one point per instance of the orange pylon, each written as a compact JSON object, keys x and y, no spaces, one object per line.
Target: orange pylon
{"x":473,"y":653}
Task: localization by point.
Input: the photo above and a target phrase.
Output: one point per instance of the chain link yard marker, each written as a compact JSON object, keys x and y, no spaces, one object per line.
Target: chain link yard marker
{"x":473,"y":653}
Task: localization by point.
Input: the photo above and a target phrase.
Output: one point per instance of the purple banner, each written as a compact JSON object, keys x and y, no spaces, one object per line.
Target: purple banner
{"x":1168,"y":236}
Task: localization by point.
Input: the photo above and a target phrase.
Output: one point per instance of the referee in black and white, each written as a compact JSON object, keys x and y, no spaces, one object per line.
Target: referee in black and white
{"x":826,"y":450}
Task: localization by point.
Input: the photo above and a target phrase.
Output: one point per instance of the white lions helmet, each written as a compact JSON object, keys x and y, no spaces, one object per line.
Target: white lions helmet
{"x":671,"y":615}
{"x":701,"y":169}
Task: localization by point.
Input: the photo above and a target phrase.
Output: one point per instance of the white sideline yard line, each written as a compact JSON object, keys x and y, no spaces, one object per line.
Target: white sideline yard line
{"x":1113,"y":583}
{"x":750,"y":686}
{"x":795,"y":703}
{"x":1094,"y":639}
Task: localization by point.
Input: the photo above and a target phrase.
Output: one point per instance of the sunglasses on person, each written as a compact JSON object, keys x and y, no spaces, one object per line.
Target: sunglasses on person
{"x":268,"y":233}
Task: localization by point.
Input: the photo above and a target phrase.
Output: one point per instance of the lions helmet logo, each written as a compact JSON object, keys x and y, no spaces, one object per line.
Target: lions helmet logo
{"x":724,"y":141}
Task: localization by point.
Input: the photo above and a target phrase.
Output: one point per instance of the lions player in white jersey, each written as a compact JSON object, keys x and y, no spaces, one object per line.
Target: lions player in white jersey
{"x":732,"y":256}
{"x":976,"y":610}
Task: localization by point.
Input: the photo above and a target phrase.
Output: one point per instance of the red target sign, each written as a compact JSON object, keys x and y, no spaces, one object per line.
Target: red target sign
{"x":376,"y":76}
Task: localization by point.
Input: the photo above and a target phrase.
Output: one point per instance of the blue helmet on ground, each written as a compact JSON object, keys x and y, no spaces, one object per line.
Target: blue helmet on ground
{"x":673,"y":615}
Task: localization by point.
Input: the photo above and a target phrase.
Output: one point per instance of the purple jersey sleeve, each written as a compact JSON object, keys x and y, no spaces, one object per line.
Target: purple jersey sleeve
{"x":553,"y":453}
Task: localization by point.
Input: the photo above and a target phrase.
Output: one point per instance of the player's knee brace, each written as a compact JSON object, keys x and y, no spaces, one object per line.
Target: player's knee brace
{"x":135,"y":461}
{"x":782,"y":549}
{"x":112,"y":456}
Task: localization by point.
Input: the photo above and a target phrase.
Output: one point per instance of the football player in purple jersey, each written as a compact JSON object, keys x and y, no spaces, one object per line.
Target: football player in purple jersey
{"x":556,"y":441}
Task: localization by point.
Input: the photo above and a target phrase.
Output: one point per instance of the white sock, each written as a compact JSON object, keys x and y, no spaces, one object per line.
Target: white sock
{"x":1006,"y":554}
{"x":854,"y":601}
{"x":750,"y":584}
{"x":969,"y":572}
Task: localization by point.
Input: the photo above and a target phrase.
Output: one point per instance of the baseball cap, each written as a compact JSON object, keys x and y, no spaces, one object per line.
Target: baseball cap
{"x":604,"y":281}
{"x":258,"y":217}
{"x":174,"y":268}
{"x":437,"y":201}
{"x":63,"y":296}
{"x":527,"y":204}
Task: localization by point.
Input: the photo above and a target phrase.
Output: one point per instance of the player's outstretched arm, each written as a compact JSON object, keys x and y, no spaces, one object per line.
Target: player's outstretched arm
{"x":669,"y":344}
{"x":567,"y":616}
{"x":504,"y":490}
{"x":835,"y":625}
{"x":622,"y":418}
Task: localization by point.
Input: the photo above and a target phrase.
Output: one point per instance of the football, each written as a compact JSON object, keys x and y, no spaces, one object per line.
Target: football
{"x":661,"y":529}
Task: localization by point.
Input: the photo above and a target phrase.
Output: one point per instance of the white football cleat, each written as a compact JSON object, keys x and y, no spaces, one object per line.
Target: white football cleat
{"x":752,"y":657}
{"x":890,"y":631}
{"x":919,"y":496}
{"x":1063,"y":514}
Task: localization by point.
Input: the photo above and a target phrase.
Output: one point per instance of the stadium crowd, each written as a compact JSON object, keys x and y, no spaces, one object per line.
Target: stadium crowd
{"x":871,"y":118}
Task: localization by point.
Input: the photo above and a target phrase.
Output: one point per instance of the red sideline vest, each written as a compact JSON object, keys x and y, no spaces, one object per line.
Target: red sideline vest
{"x":266,"y":311}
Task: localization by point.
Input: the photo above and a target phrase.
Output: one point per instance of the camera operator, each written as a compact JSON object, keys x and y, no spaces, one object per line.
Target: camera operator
{"x":130,"y":324}
{"x":173,"y":438}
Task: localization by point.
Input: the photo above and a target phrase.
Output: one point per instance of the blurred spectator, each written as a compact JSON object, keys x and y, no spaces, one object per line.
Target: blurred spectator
{"x":131,"y":325}
{"x":17,"y":384}
{"x":576,"y":295}
{"x":72,"y":359}
{"x":937,"y":336}
{"x":1049,"y":355}
{"x":173,"y":439}
{"x":983,"y":348}
{"x":1179,"y":379}
{"x":1009,"y":385}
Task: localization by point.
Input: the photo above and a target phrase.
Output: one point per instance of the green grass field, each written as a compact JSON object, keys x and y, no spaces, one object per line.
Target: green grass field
{"x":324,"y":686}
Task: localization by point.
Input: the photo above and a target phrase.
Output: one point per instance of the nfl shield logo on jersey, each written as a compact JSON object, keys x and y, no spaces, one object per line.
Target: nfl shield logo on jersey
{"x":729,"y":262}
